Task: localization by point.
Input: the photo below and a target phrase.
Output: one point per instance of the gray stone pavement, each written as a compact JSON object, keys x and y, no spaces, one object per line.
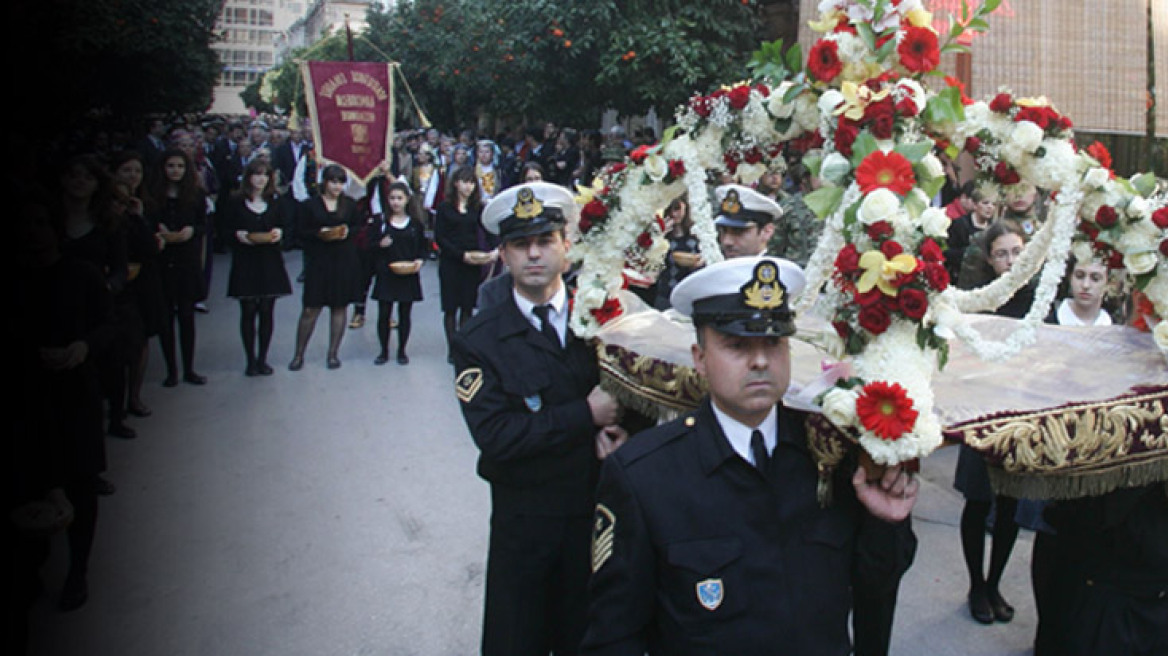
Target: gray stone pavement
{"x":338,"y":513}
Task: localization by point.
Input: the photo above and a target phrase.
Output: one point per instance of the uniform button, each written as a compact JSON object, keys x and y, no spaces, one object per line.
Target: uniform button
{"x":689,"y":421}
{"x":1090,"y":582}
{"x":1163,"y":593}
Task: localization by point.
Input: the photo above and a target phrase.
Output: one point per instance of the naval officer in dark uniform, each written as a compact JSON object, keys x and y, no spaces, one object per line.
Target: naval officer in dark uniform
{"x":708,"y":535}
{"x":529,"y":394}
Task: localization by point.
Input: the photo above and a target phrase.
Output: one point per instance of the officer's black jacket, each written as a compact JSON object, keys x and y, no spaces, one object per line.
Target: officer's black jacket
{"x":528,"y":413}
{"x":682,"y":509}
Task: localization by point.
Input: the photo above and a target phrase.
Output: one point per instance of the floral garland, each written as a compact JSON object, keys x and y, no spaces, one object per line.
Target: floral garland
{"x":877,"y":274}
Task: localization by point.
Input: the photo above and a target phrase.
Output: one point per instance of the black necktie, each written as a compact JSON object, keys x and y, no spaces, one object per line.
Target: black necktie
{"x":759,"y":450}
{"x":546,"y":327}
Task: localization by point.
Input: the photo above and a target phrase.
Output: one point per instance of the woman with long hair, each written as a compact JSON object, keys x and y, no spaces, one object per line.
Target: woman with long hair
{"x":256,"y":223}
{"x":328,"y":226}
{"x":398,"y":256}
{"x":462,"y":250}
{"x":177,"y":206}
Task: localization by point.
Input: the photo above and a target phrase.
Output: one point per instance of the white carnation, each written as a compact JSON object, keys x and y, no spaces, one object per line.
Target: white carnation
{"x":839,"y":406}
{"x":935,"y":222}
{"x":1138,"y":208}
{"x":880,"y":205}
{"x":806,"y":112}
{"x":1096,"y":177}
{"x":1027,"y":136}
{"x":1140,"y":262}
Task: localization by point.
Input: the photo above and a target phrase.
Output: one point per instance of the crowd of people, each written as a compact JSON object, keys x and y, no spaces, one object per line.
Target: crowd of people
{"x":117,"y":248}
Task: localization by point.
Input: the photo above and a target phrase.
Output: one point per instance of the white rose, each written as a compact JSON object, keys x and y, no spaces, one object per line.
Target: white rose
{"x":1160,"y":334}
{"x":933,"y":166}
{"x":655,"y":167}
{"x":1140,"y":262}
{"x":839,"y":406}
{"x":806,"y":112}
{"x":1096,"y":177}
{"x":1027,"y":136}
{"x":777,"y":107}
{"x":829,"y":101}
{"x":835,"y":168}
{"x":1082,"y":251}
{"x":749,"y":174}
{"x":1138,"y":207}
{"x":880,"y":205}
{"x":935,"y":222}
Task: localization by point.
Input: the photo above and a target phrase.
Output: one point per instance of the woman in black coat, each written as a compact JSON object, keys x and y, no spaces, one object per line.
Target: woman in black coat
{"x":256,"y":221}
{"x":461,"y":239}
{"x":398,"y":255}
{"x":177,"y":207}
{"x":328,"y":227}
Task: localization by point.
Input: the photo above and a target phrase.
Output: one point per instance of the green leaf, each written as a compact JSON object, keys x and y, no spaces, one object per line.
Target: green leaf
{"x":989,"y":6}
{"x":942,"y":355}
{"x":1145,"y":184}
{"x":867,"y":34}
{"x":914,"y":205}
{"x":668,"y":135}
{"x":945,"y":107}
{"x":955,"y":47}
{"x":886,"y":50}
{"x":795,"y":58}
{"x":978,"y":25}
{"x":824,"y":201}
{"x":813,"y":164}
{"x":915,"y":152}
{"x":931,"y":185}
{"x":864,"y":145}
{"x":794,"y":92}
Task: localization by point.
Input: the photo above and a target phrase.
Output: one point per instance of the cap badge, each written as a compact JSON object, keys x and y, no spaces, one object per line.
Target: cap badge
{"x":764,"y":291}
{"x":731,"y":204}
{"x":527,"y":206}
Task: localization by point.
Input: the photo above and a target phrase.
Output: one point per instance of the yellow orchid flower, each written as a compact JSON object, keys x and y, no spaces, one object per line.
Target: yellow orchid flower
{"x":1041,"y":101}
{"x":919,"y":17}
{"x":856,"y":98}
{"x":880,"y":271}
{"x":829,"y":22}
{"x":584,"y":195}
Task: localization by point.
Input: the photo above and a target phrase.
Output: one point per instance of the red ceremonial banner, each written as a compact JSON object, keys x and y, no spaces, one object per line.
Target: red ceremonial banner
{"x":351,"y":107}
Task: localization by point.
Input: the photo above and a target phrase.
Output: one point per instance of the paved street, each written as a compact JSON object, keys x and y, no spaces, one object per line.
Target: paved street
{"x":338,"y":513}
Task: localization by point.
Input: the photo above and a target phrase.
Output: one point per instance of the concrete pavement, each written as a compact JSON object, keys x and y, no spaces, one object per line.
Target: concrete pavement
{"x":338,"y":512}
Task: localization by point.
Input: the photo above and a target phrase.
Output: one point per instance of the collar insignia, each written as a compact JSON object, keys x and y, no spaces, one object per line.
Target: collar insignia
{"x":731,"y":204}
{"x":764,"y":291}
{"x":527,"y":206}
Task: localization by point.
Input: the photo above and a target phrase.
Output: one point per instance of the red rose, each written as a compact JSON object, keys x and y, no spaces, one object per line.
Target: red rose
{"x":842,"y":329}
{"x":906,"y":107}
{"x":1164,"y":248}
{"x":891,"y":249}
{"x":880,"y":117}
{"x":730,"y":162}
{"x":848,"y":260}
{"x":644,"y":240}
{"x":752,"y":156}
{"x":931,"y":251}
{"x":763,"y":90}
{"x":913,"y":303}
{"x":639,"y":153}
{"x":879,"y":230}
{"x":972,"y":144}
{"x":594,"y":211}
{"x":585,"y":225}
{"x":937,"y":276}
{"x":1001,"y":103}
{"x":823,"y":61}
{"x":875,"y":318}
{"x":871,"y":297}
{"x":739,"y":96}
{"x":845,"y":135}
{"x":1106,"y":216}
{"x":1006,"y":175}
{"x":676,"y":168}
{"x":701,"y":106}
{"x":617,"y":167}
{"x":1115,"y":261}
{"x":1089,"y":229}
{"x":919,"y":50}
{"x":1160,"y":217}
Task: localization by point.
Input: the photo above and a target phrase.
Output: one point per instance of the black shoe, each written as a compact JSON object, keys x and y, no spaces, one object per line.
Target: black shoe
{"x":74,"y":594}
{"x":193,"y":378}
{"x":263,"y":369}
{"x":251,"y":370}
{"x":171,"y":381}
{"x":402,"y":358}
{"x":1003,"y":611}
{"x":103,"y":487}
{"x":138,"y":410}
{"x":979,"y":606}
{"x":201,"y":308}
{"x":118,"y":429}
{"x":296,"y":363}
{"x":381,"y":359}
{"x":334,"y":362}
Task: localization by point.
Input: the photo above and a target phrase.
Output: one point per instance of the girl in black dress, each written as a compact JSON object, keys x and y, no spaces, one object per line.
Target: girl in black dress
{"x":255,"y":220}
{"x":328,"y":226}
{"x":461,"y":250}
{"x":398,"y":259}
{"x":177,"y":206}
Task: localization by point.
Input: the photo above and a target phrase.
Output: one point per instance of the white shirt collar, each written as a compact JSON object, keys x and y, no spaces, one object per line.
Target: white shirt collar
{"x":1067,"y":317}
{"x":739,"y":434}
{"x":558,"y":315}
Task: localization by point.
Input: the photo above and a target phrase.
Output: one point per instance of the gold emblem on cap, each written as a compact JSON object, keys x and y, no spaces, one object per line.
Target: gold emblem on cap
{"x":527,"y":206}
{"x":731,"y":204}
{"x":764,"y":291}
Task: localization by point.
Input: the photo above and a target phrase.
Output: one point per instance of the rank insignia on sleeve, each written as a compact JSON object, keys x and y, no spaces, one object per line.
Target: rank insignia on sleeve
{"x":603,"y":535}
{"x":468,"y":384}
{"x":710,"y":593}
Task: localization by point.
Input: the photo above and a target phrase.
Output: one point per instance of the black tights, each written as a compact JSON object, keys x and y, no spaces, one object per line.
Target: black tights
{"x":308,"y":322}
{"x":973,"y":524}
{"x":384,"y":312}
{"x":184,"y":312}
{"x":256,"y":313}
{"x":455,"y":320}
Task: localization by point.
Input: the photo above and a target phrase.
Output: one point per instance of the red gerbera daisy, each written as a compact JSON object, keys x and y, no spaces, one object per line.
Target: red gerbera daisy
{"x":886,"y":410}
{"x":919,"y":51}
{"x":823,"y":61}
{"x":890,"y":171}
